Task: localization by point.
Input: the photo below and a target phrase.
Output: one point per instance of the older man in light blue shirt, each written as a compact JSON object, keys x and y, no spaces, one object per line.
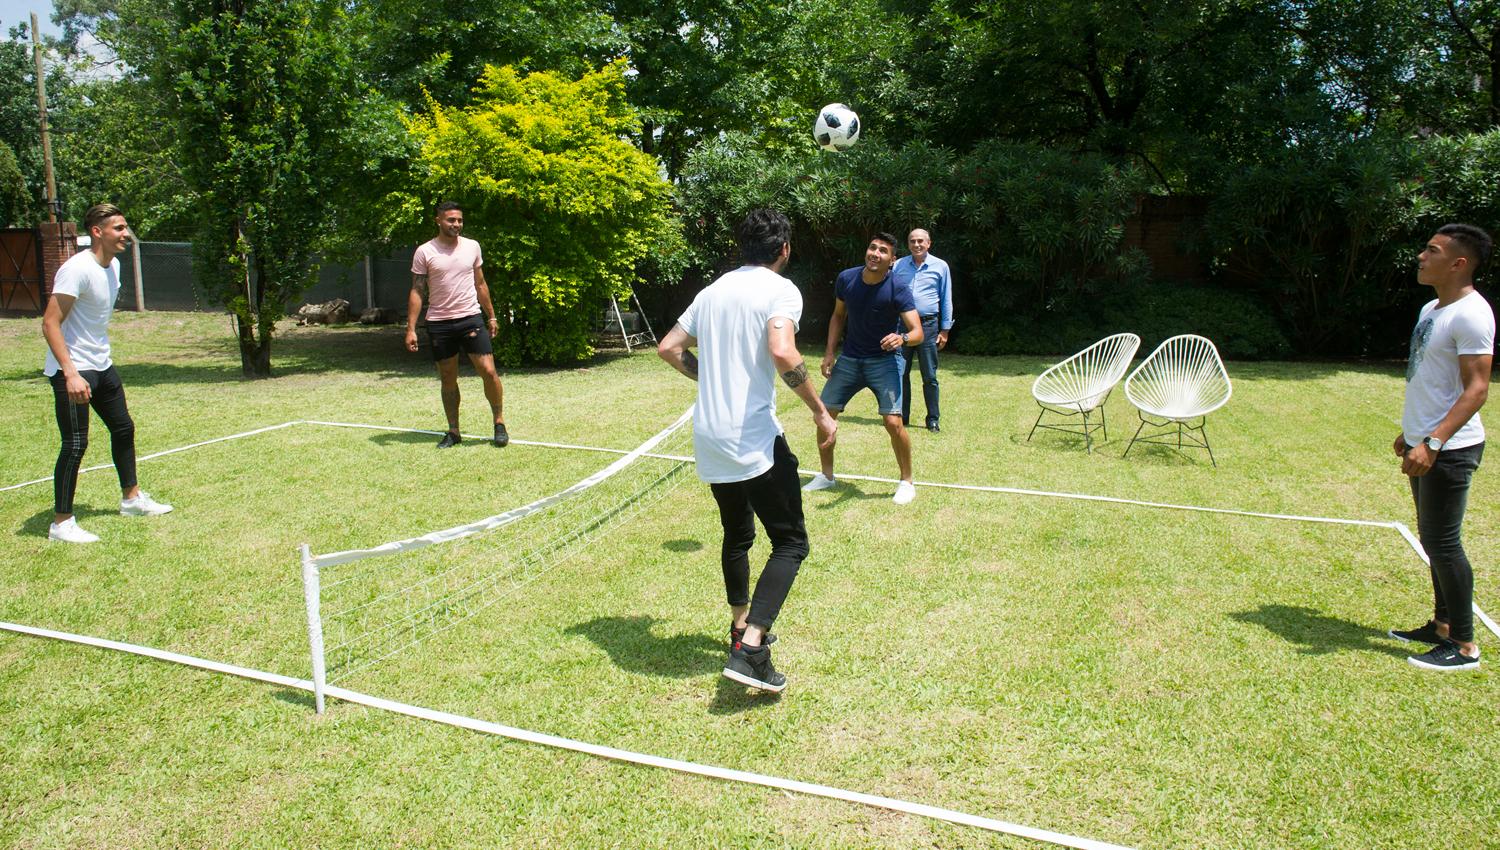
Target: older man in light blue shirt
{"x":932,"y":286}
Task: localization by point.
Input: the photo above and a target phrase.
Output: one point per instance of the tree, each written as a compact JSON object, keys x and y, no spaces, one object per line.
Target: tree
{"x":563,"y":205}
{"x":275,"y":136}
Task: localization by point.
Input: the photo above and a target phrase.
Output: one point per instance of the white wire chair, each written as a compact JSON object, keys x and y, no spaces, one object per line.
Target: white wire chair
{"x":1182,"y":380}
{"x":1081,"y":384}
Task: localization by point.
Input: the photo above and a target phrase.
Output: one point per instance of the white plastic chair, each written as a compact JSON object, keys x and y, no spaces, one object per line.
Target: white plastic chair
{"x":1182,"y":380}
{"x":1082,"y":383}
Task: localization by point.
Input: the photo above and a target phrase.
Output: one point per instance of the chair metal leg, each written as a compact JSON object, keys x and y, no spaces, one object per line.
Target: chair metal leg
{"x":1203,"y":429}
{"x":1036,"y":423}
{"x":1088,"y":439}
{"x":1133,"y":439}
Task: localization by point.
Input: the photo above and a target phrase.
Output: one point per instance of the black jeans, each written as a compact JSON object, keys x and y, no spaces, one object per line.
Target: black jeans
{"x":107,"y":397}
{"x":775,"y":496}
{"x":1441,"y":497}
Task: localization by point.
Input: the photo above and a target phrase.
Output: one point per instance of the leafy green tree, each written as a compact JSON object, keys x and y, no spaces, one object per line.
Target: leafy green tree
{"x":564,"y":206}
{"x":276,"y":136}
{"x":17,"y":209}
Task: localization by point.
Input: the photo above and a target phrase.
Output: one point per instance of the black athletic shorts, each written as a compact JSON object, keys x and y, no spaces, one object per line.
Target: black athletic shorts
{"x":448,"y":337}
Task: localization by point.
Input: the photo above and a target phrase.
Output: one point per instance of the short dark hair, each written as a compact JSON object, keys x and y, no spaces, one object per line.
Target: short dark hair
{"x":445,"y":206}
{"x":762,"y":235}
{"x":98,"y":214}
{"x":885,"y":237}
{"x":1473,"y":241}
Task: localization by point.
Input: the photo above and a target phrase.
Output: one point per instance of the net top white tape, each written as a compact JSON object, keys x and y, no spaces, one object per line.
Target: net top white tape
{"x":492,"y":522}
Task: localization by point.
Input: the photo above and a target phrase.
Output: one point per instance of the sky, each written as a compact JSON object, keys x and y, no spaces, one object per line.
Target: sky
{"x":14,"y":12}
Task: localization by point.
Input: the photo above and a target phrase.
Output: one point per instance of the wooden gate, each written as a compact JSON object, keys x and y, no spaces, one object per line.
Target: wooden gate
{"x":20,"y":270}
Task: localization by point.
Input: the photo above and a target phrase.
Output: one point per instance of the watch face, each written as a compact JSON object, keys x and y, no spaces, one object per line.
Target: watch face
{"x":1433,"y":443}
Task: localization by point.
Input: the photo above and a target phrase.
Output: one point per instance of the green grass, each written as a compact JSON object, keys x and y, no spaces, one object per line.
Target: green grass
{"x":1146,"y":677}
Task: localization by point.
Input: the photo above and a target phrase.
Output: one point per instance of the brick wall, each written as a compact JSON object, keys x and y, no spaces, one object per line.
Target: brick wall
{"x":59,"y":242}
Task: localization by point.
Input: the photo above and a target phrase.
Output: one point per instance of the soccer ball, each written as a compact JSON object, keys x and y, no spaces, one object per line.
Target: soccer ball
{"x":837,"y":127}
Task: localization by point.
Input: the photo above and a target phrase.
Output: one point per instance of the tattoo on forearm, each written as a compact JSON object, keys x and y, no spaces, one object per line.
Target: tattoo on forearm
{"x":796,"y":376}
{"x":690,"y":363}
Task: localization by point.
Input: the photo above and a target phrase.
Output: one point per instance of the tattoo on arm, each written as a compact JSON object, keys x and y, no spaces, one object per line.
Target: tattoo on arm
{"x":690,"y":363}
{"x":796,"y":376}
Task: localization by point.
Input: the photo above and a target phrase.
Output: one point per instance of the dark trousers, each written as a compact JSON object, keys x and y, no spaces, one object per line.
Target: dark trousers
{"x":1441,"y":496}
{"x":926,"y":355}
{"x":107,"y":397}
{"x":775,"y":496}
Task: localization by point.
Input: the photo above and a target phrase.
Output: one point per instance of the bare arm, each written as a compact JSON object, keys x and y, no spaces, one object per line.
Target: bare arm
{"x":482,"y":291}
{"x":414,"y":309}
{"x":1474,"y":371}
{"x":836,"y":324}
{"x":58,"y":308}
{"x":781,"y":340}
{"x":674,"y":348}
{"x":913,"y":322}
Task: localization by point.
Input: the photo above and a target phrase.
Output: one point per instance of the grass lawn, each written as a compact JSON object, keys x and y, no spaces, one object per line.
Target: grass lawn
{"x":1145,"y":677}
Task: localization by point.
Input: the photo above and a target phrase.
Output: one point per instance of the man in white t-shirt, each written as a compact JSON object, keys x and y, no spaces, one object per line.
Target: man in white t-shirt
{"x":83,"y":375}
{"x":1442,"y":439}
{"x":447,"y":267}
{"x":744,"y":325}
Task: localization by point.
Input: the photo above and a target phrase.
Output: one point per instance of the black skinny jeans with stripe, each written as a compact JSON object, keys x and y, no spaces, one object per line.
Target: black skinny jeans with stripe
{"x":107,"y":397}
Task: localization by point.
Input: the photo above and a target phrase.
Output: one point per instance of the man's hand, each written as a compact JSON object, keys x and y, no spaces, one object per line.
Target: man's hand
{"x":1418,"y":460}
{"x":78,"y":388}
{"x":942,"y":340}
{"x":411,"y":339}
{"x":1399,"y":447}
{"x":494,"y":326}
{"x":827,"y":366}
{"x":891,"y":342}
{"x":828,"y":429}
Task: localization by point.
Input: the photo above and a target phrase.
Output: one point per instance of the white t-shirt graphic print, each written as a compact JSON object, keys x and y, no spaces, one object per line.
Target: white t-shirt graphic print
{"x":735,"y":425}
{"x":1433,"y":383}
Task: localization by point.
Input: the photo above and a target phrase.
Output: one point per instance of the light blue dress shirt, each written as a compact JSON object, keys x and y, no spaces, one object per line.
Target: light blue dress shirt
{"x":932,"y":286}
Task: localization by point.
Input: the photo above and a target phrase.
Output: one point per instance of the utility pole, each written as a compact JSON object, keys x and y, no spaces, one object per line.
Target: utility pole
{"x":41,"y":105}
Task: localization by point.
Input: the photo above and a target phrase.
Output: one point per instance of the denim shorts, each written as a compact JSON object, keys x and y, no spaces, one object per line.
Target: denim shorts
{"x":882,"y":374}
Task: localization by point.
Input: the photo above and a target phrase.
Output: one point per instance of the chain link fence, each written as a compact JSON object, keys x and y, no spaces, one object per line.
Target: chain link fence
{"x":169,"y":282}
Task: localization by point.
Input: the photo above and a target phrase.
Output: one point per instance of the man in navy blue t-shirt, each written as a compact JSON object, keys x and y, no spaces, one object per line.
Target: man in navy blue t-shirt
{"x":876,"y":317}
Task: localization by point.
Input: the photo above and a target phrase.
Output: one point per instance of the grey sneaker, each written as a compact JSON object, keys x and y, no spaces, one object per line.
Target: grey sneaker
{"x":143,"y":505}
{"x":751,"y":666}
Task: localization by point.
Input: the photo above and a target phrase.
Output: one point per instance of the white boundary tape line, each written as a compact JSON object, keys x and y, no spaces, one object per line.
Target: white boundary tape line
{"x":163,"y":453}
{"x":543,"y":739}
{"x":1405,"y":532}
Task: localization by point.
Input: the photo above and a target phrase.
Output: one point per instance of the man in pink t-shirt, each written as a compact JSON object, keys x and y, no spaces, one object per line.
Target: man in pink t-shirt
{"x":447,"y":268}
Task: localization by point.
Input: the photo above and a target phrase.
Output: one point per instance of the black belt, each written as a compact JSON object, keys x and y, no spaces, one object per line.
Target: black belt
{"x":928,"y":316}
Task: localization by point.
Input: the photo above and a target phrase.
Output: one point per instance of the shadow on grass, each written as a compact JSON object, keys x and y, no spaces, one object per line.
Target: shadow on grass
{"x":846,"y":491}
{"x":37,"y":524}
{"x":301,"y":699}
{"x":632,"y":647}
{"x":1318,"y":633}
{"x":682,"y":545}
{"x":733,"y":698}
{"x":411,"y":438}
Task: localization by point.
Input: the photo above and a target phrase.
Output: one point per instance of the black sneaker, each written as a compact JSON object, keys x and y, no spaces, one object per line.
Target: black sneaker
{"x":738,"y":635}
{"x":933,"y":427}
{"x":450,"y":440}
{"x":752,"y":667}
{"x":1426,"y":633}
{"x":502,"y":437}
{"x":1443,"y":657}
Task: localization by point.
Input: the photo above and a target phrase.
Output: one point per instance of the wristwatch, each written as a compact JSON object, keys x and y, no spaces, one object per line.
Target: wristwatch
{"x":1433,"y":443}
{"x":903,"y":339}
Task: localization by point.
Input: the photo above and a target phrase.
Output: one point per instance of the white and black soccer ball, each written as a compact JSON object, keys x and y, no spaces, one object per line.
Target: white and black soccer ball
{"x":837,"y":127}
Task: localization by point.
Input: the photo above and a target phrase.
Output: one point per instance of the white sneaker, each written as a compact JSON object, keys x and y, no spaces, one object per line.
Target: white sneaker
{"x":905,"y":492}
{"x":143,"y":505}
{"x":68,"y":532}
{"x":818,"y":482}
